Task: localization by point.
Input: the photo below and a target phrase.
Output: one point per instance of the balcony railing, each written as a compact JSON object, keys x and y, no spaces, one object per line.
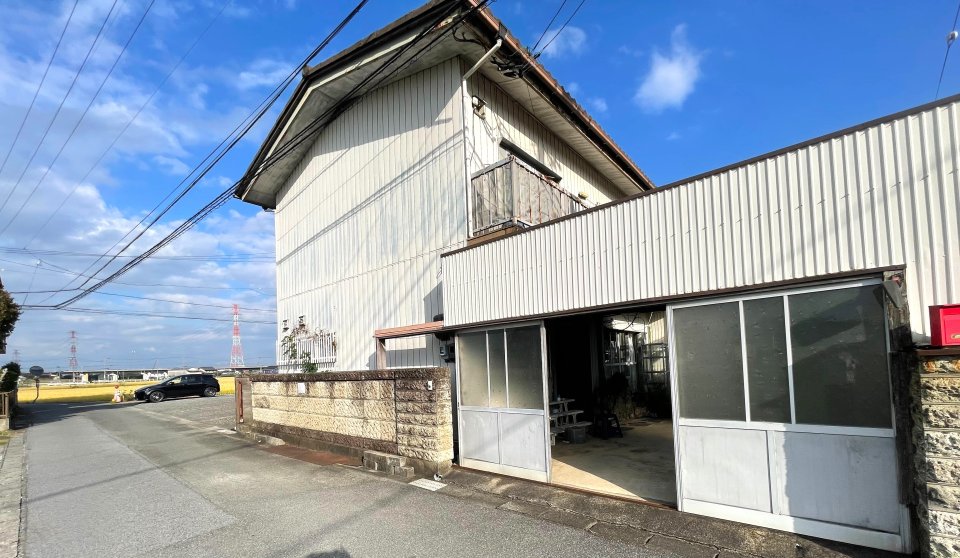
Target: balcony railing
{"x":511,"y":194}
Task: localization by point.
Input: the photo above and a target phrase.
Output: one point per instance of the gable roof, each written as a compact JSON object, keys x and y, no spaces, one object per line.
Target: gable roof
{"x":320,"y":96}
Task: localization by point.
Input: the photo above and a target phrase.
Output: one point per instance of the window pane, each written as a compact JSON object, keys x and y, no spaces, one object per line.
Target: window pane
{"x":525,"y":371}
{"x":839,"y":349}
{"x":473,"y":369}
{"x":709,"y":362}
{"x":498,"y":369}
{"x":767,"y":359}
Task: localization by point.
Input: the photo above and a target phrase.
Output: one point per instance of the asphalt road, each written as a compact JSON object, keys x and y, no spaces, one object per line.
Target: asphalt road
{"x":168,"y":479}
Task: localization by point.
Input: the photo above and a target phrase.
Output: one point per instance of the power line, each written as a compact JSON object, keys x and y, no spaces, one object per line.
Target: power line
{"x":64,"y":271}
{"x":311,"y":129}
{"x":246,"y":127}
{"x":562,"y":27}
{"x":76,"y":126}
{"x":204,"y":257}
{"x":226,"y":306}
{"x":144,"y":314}
{"x":63,"y":101}
{"x":951,"y":37}
{"x":129,"y":123}
{"x":39,"y":86}
{"x":547,"y":28}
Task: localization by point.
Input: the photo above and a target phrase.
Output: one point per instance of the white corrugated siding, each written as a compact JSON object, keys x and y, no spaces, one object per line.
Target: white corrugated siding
{"x":883,"y":196}
{"x":365,"y":216}
{"x":505,"y":118}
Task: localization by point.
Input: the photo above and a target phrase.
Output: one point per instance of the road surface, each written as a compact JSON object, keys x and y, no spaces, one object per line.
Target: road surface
{"x":171,"y":479}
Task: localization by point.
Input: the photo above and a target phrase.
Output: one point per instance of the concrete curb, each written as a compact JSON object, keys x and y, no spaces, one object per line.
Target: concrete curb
{"x":11,"y":495}
{"x":656,"y":530}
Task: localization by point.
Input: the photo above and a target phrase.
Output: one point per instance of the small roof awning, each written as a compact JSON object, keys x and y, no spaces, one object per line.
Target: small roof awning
{"x":408,"y":331}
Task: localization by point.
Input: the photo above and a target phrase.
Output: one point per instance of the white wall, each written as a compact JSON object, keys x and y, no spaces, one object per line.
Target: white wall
{"x":362,"y":222}
{"x":506,"y":119}
{"x":886,"y":195}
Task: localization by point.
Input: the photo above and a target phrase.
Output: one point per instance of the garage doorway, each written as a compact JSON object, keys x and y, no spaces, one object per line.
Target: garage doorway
{"x":610,"y":405}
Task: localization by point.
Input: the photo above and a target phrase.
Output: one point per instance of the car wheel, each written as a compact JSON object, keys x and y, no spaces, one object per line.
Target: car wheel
{"x":209,"y":392}
{"x":157,"y":396}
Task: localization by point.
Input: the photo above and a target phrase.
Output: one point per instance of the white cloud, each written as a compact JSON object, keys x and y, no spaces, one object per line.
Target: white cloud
{"x":560,"y":42}
{"x":171,"y":165}
{"x":598,"y":104}
{"x":174,"y":130}
{"x":672,"y":77}
{"x":673,"y":136}
{"x":630,"y":51}
{"x":263,"y":73}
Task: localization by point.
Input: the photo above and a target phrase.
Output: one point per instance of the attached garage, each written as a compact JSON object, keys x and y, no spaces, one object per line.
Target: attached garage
{"x":794,"y":287}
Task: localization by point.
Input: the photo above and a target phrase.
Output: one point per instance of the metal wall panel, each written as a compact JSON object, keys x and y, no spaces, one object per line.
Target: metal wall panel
{"x":363,"y":220}
{"x":505,"y":118}
{"x":886,"y":195}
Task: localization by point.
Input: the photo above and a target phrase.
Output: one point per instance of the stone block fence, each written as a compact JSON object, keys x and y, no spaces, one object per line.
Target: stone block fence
{"x":406,"y":412}
{"x":936,"y":422}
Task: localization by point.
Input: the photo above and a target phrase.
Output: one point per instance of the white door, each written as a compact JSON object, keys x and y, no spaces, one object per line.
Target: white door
{"x":784,"y":416}
{"x":502,"y":401}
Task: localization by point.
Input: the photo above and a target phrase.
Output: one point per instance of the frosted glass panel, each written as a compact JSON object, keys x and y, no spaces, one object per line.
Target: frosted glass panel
{"x":709,"y":362}
{"x":525,"y":369}
{"x":498,"y":368}
{"x":472,"y":353}
{"x":840,"y":375}
{"x":767,"y":359}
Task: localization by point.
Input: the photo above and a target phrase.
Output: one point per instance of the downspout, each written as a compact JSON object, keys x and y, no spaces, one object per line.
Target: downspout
{"x":483,"y":59}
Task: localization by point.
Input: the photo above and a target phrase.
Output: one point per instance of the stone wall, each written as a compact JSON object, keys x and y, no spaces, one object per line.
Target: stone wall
{"x":936,"y":415}
{"x":406,"y":412}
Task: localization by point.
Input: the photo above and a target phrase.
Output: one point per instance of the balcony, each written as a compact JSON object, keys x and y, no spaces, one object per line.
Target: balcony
{"x":510,"y":195}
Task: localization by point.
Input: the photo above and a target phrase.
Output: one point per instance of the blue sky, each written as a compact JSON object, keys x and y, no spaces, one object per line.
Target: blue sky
{"x":682,"y":87}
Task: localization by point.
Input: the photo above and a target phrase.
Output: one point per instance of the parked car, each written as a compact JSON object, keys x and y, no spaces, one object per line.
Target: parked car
{"x":204,"y":385}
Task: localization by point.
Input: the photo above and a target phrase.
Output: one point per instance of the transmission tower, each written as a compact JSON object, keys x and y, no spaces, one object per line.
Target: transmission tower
{"x":236,"y":353}
{"x":72,"y":363}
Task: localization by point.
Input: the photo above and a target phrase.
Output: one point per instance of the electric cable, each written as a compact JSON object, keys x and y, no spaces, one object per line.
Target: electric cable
{"x":76,"y":126}
{"x":547,"y":28}
{"x":258,"y":113}
{"x":303,"y":135}
{"x":129,"y":122}
{"x":36,"y":93}
{"x":562,"y":27}
{"x":63,"y":101}
{"x":951,"y":37}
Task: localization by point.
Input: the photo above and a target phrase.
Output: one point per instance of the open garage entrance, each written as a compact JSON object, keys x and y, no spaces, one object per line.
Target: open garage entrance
{"x":609,"y":402}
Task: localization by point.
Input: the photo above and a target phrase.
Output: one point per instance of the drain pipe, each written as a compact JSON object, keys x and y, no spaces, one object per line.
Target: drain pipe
{"x":483,"y":59}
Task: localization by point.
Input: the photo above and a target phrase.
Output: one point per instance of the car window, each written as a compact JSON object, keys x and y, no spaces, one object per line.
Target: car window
{"x":192,"y":380}
{"x":175,"y":381}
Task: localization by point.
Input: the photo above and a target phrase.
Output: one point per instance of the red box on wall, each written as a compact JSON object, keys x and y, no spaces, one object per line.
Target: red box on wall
{"x":945,"y":325}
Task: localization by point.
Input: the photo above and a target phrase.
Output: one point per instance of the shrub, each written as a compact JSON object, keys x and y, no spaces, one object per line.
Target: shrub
{"x":11,"y":373}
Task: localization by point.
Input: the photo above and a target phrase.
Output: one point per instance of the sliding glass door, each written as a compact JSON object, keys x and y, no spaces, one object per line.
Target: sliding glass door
{"x":784,"y":413}
{"x":502,"y":401}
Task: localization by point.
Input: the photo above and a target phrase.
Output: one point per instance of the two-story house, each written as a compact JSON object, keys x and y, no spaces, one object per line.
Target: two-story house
{"x":739,"y":344}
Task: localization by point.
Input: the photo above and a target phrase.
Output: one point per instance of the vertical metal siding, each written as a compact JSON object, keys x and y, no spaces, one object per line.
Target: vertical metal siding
{"x":881,"y":196}
{"x":506,"y":119}
{"x":362,"y":222}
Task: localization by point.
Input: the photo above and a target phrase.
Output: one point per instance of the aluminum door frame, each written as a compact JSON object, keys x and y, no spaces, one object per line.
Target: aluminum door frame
{"x":499,"y":468}
{"x":896,"y":542}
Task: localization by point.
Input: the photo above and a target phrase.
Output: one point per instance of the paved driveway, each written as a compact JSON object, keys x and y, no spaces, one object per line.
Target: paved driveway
{"x":167,"y":480}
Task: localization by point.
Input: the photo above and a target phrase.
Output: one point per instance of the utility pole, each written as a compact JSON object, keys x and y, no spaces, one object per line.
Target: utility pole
{"x":16,"y":356}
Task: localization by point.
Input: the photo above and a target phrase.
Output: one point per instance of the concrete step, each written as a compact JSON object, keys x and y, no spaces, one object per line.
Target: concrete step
{"x":388,"y":463}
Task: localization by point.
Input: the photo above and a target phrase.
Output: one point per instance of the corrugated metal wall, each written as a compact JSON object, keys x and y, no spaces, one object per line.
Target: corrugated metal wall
{"x":882,"y":196}
{"x":362,"y":223}
{"x":505,"y":118}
